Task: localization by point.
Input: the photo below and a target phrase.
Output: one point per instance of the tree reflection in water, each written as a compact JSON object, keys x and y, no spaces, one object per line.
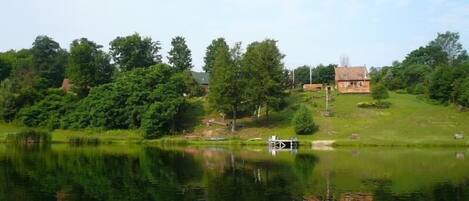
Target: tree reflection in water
{"x":112,"y":172}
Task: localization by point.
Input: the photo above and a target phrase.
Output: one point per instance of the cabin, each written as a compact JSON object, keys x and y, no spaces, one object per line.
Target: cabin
{"x":352,"y":80}
{"x":312,"y":87}
{"x":201,"y":78}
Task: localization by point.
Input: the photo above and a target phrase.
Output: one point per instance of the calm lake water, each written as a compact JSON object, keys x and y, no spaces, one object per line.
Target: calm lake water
{"x":131,"y":172}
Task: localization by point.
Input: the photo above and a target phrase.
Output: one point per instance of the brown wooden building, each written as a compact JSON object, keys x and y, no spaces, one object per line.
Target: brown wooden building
{"x":312,"y":87}
{"x":352,"y":80}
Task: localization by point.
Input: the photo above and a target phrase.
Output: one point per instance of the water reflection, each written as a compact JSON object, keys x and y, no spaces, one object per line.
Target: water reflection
{"x":61,"y":172}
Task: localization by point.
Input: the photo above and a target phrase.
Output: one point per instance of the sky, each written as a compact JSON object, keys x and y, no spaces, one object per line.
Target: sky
{"x":309,"y":32}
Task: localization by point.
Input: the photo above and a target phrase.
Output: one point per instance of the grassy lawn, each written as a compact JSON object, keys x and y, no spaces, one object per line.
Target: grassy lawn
{"x":409,"y":122}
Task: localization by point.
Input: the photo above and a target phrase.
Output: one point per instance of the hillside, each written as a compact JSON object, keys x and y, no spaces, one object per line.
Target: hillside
{"x":409,"y":121}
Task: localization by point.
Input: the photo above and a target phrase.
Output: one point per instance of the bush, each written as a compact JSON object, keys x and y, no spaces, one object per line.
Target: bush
{"x":379,"y":92}
{"x":303,"y":121}
{"x":47,"y":112}
{"x":29,"y":137}
{"x":378,"y":105}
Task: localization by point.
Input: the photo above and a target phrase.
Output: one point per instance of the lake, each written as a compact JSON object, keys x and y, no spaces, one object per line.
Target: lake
{"x":132,"y":172}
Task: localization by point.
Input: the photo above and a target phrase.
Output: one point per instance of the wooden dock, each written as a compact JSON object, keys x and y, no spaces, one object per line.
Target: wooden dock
{"x":279,"y":144}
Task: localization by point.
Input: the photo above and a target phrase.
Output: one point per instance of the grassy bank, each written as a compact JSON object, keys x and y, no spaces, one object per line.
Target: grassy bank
{"x":408,"y":122}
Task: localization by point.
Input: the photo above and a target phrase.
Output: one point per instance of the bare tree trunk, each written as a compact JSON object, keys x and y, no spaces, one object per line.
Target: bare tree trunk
{"x":258,"y":112}
{"x":233,"y":124}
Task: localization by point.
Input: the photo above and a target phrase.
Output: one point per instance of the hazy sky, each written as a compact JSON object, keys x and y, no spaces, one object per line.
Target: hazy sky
{"x":371,"y":32}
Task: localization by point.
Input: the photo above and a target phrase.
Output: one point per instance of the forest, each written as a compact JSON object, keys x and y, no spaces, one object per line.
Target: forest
{"x":130,"y":87}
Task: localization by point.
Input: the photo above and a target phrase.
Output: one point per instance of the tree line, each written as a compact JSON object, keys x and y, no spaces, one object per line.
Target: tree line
{"x":438,"y":72}
{"x":129,"y":86}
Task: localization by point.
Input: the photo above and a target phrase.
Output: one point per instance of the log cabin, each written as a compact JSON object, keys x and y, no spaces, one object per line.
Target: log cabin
{"x":352,"y":79}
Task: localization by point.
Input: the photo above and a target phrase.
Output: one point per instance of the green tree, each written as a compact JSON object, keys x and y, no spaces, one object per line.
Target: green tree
{"x":134,"y":98}
{"x":133,"y":51}
{"x":430,"y":55}
{"x":303,"y":121}
{"x":449,"y":43}
{"x":379,"y":92}
{"x":226,"y":81}
{"x":180,"y":55}
{"x":211,"y":53}
{"x":89,"y":66}
{"x":48,"y":61}
{"x":302,"y":75}
{"x":441,"y":84}
{"x":263,"y":69}
{"x":324,"y":74}
{"x":5,"y":67}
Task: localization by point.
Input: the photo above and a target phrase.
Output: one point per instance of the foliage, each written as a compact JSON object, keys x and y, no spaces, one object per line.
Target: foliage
{"x":211,"y":53}
{"x":449,"y":43}
{"x":262,"y":67}
{"x":5,"y":68}
{"x":463,"y":97}
{"x":180,"y":55}
{"x":377,"y":104}
{"x":89,"y":66}
{"x":226,"y":80}
{"x":379,"y":92}
{"x":48,"y":61}
{"x":29,"y":136}
{"x":47,"y":112}
{"x":436,"y":71}
{"x":302,"y":75}
{"x":440,"y":85}
{"x":303,"y":121}
{"x":320,"y":74}
{"x":133,"y":51}
{"x":133,"y":97}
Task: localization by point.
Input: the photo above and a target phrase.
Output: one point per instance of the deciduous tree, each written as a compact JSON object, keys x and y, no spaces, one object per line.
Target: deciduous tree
{"x":89,"y":66}
{"x":133,"y":51}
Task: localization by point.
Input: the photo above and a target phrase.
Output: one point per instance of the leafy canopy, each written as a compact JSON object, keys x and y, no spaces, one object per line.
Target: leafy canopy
{"x":133,"y":51}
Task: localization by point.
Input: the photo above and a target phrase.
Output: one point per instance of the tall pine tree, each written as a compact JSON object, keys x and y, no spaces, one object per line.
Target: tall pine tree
{"x":211,"y":53}
{"x":180,"y":55}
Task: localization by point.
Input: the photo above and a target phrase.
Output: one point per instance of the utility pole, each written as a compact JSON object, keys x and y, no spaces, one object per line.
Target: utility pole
{"x":310,"y":75}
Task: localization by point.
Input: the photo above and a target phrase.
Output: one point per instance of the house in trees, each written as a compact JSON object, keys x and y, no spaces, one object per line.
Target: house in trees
{"x":352,"y":79}
{"x":201,"y":78}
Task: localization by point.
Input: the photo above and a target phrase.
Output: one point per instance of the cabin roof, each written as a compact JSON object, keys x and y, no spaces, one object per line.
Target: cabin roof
{"x":351,"y":73}
{"x":200,"y":77}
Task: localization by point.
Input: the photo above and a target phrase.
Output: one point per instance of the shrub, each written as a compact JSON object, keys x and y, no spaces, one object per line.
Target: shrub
{"x":379,"y":105}
{"x":379,"y":92}
{"x":29,"y":137}
{"x":303,"y":121}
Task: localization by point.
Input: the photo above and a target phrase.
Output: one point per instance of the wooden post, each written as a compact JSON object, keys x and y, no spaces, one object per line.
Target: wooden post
{"x":327,"y":100}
